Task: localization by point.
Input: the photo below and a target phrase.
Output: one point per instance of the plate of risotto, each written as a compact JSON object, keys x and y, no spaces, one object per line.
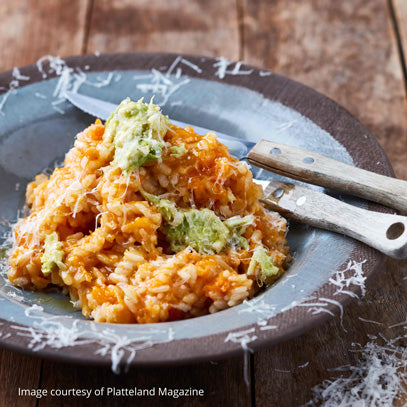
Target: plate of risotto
{"x":135,"y":241}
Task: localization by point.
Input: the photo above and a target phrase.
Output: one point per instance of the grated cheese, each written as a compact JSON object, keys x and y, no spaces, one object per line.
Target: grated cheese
{"x":342,"y":281}
{"x":164,"y":85}
{"x":378,"y":379}
{"x":12,"y":87}
{"x":244,"y":338}
{"x":40,"y":95}
{"x":223,"y":66}
{"x":370,"y":321}
{"x":17,"y":75}
{"x":48,"y":331}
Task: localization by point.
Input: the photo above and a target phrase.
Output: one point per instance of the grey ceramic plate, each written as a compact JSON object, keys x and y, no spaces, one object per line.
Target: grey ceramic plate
{"x":37,"y":127}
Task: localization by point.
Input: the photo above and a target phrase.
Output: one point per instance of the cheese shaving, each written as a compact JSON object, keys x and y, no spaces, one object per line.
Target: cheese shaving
{"x":378,"y":379}
{"x":223,"y":68}
{"x":48,"y":331}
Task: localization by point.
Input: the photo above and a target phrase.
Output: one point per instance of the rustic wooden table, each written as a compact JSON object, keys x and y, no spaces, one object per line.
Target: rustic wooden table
{"x":352,"y":50}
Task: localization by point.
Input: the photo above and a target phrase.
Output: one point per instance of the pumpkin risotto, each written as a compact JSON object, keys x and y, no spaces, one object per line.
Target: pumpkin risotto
{"x":148,"y":222}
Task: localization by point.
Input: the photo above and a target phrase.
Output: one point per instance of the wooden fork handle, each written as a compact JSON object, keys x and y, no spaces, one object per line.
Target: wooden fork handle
{"x":317,"y":169}
{"x":385,"y":232}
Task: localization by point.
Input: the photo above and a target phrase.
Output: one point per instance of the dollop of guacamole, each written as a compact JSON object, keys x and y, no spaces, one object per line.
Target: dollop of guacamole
{"x":53,"y":254}
{"x":200,"y":229}
{"x":263,"y":262}
{"x":137,"y":132}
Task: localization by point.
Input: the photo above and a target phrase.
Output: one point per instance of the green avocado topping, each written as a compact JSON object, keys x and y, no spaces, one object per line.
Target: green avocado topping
{"x":200,"y":229}
{"x":261,"y":260}
{"x":137,"y":132}
{"x":53,"y":254}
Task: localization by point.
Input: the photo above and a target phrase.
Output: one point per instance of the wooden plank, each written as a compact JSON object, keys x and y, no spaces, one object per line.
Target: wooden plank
{"x":400,"y":11}
{"x":285,"y":374}
{"x":346,"y":50}
{"x":28,"y":31}
{"x":221,"y":382}
{"x":185,"y":26}
{"x":31,"y":29}
{"x":18,"y":372}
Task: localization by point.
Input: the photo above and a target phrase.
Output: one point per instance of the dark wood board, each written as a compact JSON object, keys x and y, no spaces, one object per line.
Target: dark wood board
{"x":332,"y":46}
{"x":18,"y":372}
{"x":221,"y":381}
{"x":329,"y":346}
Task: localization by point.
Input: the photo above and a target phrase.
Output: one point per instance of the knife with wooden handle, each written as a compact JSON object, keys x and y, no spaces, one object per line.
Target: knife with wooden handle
{"x":313,"y":168}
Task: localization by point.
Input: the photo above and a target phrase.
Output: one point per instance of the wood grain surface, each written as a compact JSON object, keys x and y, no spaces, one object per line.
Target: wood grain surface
{"x":399,"y":10}
{"x":185,"y":26}
{"x":348,"y":50}
{"x":221,"y":381}
{"x":344,"y":49}
{"x":28,"y":31}
{"x":281,"y":380}
{"x":31,"y":29}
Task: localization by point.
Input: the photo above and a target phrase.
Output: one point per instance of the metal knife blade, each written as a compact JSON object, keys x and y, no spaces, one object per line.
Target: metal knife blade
{"x":101,"y":109}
